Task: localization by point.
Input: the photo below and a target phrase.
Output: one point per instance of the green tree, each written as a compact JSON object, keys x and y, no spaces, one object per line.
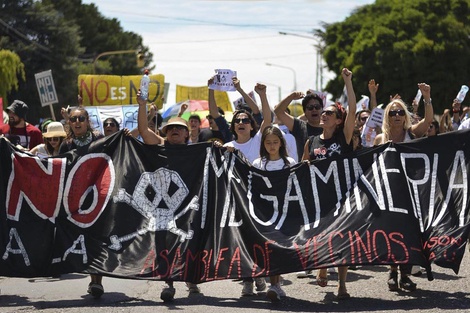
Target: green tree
{"x":100,"y":34}
{"x":401,"y":43}
{"x":44,"y":40}
{"x":63,"y":36}
{"x":10,"y":68}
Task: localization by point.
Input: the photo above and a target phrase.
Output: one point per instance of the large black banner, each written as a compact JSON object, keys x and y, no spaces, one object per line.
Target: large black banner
{"x":199,"y":213}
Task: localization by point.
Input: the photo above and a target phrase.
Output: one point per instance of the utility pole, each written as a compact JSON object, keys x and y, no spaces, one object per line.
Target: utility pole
{"x":319,"y":47}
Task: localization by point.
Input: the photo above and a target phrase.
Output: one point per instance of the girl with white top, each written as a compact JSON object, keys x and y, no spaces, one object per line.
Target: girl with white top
{"x":273,"y":157}
{"x":248,"y":141}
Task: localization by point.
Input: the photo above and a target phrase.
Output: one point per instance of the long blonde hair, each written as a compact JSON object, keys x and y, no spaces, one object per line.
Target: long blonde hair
{"x":386,"y":118}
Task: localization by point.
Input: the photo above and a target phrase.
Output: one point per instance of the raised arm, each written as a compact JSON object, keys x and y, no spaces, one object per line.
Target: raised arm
{"x":280,"y":109}
{"x":444,"y":121}
{"x":306,"y":155}
{"x":251,"y":103}
{"x":213,"y":111}
{"x":267,"y":117}
{"x":420,"y":128}
{"x":373,"y":87}
{"x":219,"y":119}
{"x":151,"y":114}
{"x":147,"y":134}
{"x":152,"y":111}
{"x":350,"y":122}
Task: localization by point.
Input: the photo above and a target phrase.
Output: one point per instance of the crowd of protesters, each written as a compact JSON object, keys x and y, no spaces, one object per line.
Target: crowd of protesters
{"x":268,"y":139}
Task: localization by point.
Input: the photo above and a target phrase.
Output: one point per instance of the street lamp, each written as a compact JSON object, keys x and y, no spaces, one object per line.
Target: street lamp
{"x":111,"y":53}
{"x":288,"y":68}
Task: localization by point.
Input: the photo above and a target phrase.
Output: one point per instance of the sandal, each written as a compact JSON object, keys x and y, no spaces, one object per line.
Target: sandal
{"x":343,"y":296}
{"x":322,"y":281}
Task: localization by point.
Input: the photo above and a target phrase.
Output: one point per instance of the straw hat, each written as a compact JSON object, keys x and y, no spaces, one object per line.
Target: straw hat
{"x":55,"y":129}
{"x":175,"y":121}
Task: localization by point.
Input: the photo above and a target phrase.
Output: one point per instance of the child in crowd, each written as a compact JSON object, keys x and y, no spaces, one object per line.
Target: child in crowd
{"x":273,"y":157}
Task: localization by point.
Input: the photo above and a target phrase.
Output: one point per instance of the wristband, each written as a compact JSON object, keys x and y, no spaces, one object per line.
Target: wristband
{"x":427,"y":102}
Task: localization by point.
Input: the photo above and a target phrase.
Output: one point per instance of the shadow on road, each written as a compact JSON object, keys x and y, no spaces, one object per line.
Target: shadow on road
{"x":422,"y":299}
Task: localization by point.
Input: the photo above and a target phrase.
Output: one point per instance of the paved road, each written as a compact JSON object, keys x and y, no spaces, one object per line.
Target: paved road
{"x":367,"y":285}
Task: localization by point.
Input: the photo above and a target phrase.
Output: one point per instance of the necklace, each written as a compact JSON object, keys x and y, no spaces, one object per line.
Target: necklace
{"x":83,"y":140}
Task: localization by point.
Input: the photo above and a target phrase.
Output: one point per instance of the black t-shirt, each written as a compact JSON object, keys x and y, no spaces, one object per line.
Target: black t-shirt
{"x":302,"y":131}
{"x":324,"y":148}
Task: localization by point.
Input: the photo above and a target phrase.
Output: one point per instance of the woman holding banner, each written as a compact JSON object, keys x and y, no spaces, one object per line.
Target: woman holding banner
{"x":80,"y":134}
{"x":79,"y":131}
{"x":247,"y":139}
{"x":397,"y":127}
{"x":336,"y":138}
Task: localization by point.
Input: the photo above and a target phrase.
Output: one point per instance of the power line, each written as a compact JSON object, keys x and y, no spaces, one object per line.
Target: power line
{"x":240,"y":59}
{"x":213,"y":40}
{"x":23,"y":36}
{"x":203,"y":22}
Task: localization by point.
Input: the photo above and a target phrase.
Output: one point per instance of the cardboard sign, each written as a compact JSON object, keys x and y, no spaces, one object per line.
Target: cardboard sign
{"x":46,"y":88}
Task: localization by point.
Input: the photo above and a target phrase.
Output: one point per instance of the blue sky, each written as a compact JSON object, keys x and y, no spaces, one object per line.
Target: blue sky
{"x":189,"y":39}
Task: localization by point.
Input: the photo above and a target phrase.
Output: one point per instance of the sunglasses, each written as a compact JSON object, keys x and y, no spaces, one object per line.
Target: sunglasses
{"x":111,"y":124}
{"x":328,"y":113}
{"x":396,"y":112}
{"x":53,"y":139}
{"x":311,"y":107}
{"x":245,"y":120}
{"x":364,"y":118}
{"x":80,"y":118}
{"x":178,"y":127}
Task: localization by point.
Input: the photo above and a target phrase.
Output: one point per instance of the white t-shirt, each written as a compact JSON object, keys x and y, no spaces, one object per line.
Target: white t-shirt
{"x":42,"y":152}
{"x":250,"y":149}
{"x":291,"y":146}
{"x":272,"y":165}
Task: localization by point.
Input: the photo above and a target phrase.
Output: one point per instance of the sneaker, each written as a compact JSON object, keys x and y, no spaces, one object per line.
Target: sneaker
{"x":96,"y":290}
{"x":303,"y":274}
{"x":407,"y":284}
{"x":260,"y":284}
{"x":275,"y":293}
{"x":193,"y":288}
{"x":168,"y":294}
{"x":247,"y":290}
{"x":392,"y":281}
{"x":416,"y":270}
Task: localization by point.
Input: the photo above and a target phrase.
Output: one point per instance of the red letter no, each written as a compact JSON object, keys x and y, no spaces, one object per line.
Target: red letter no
{"x":90,"y":183}
{"x":39,"y":184}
